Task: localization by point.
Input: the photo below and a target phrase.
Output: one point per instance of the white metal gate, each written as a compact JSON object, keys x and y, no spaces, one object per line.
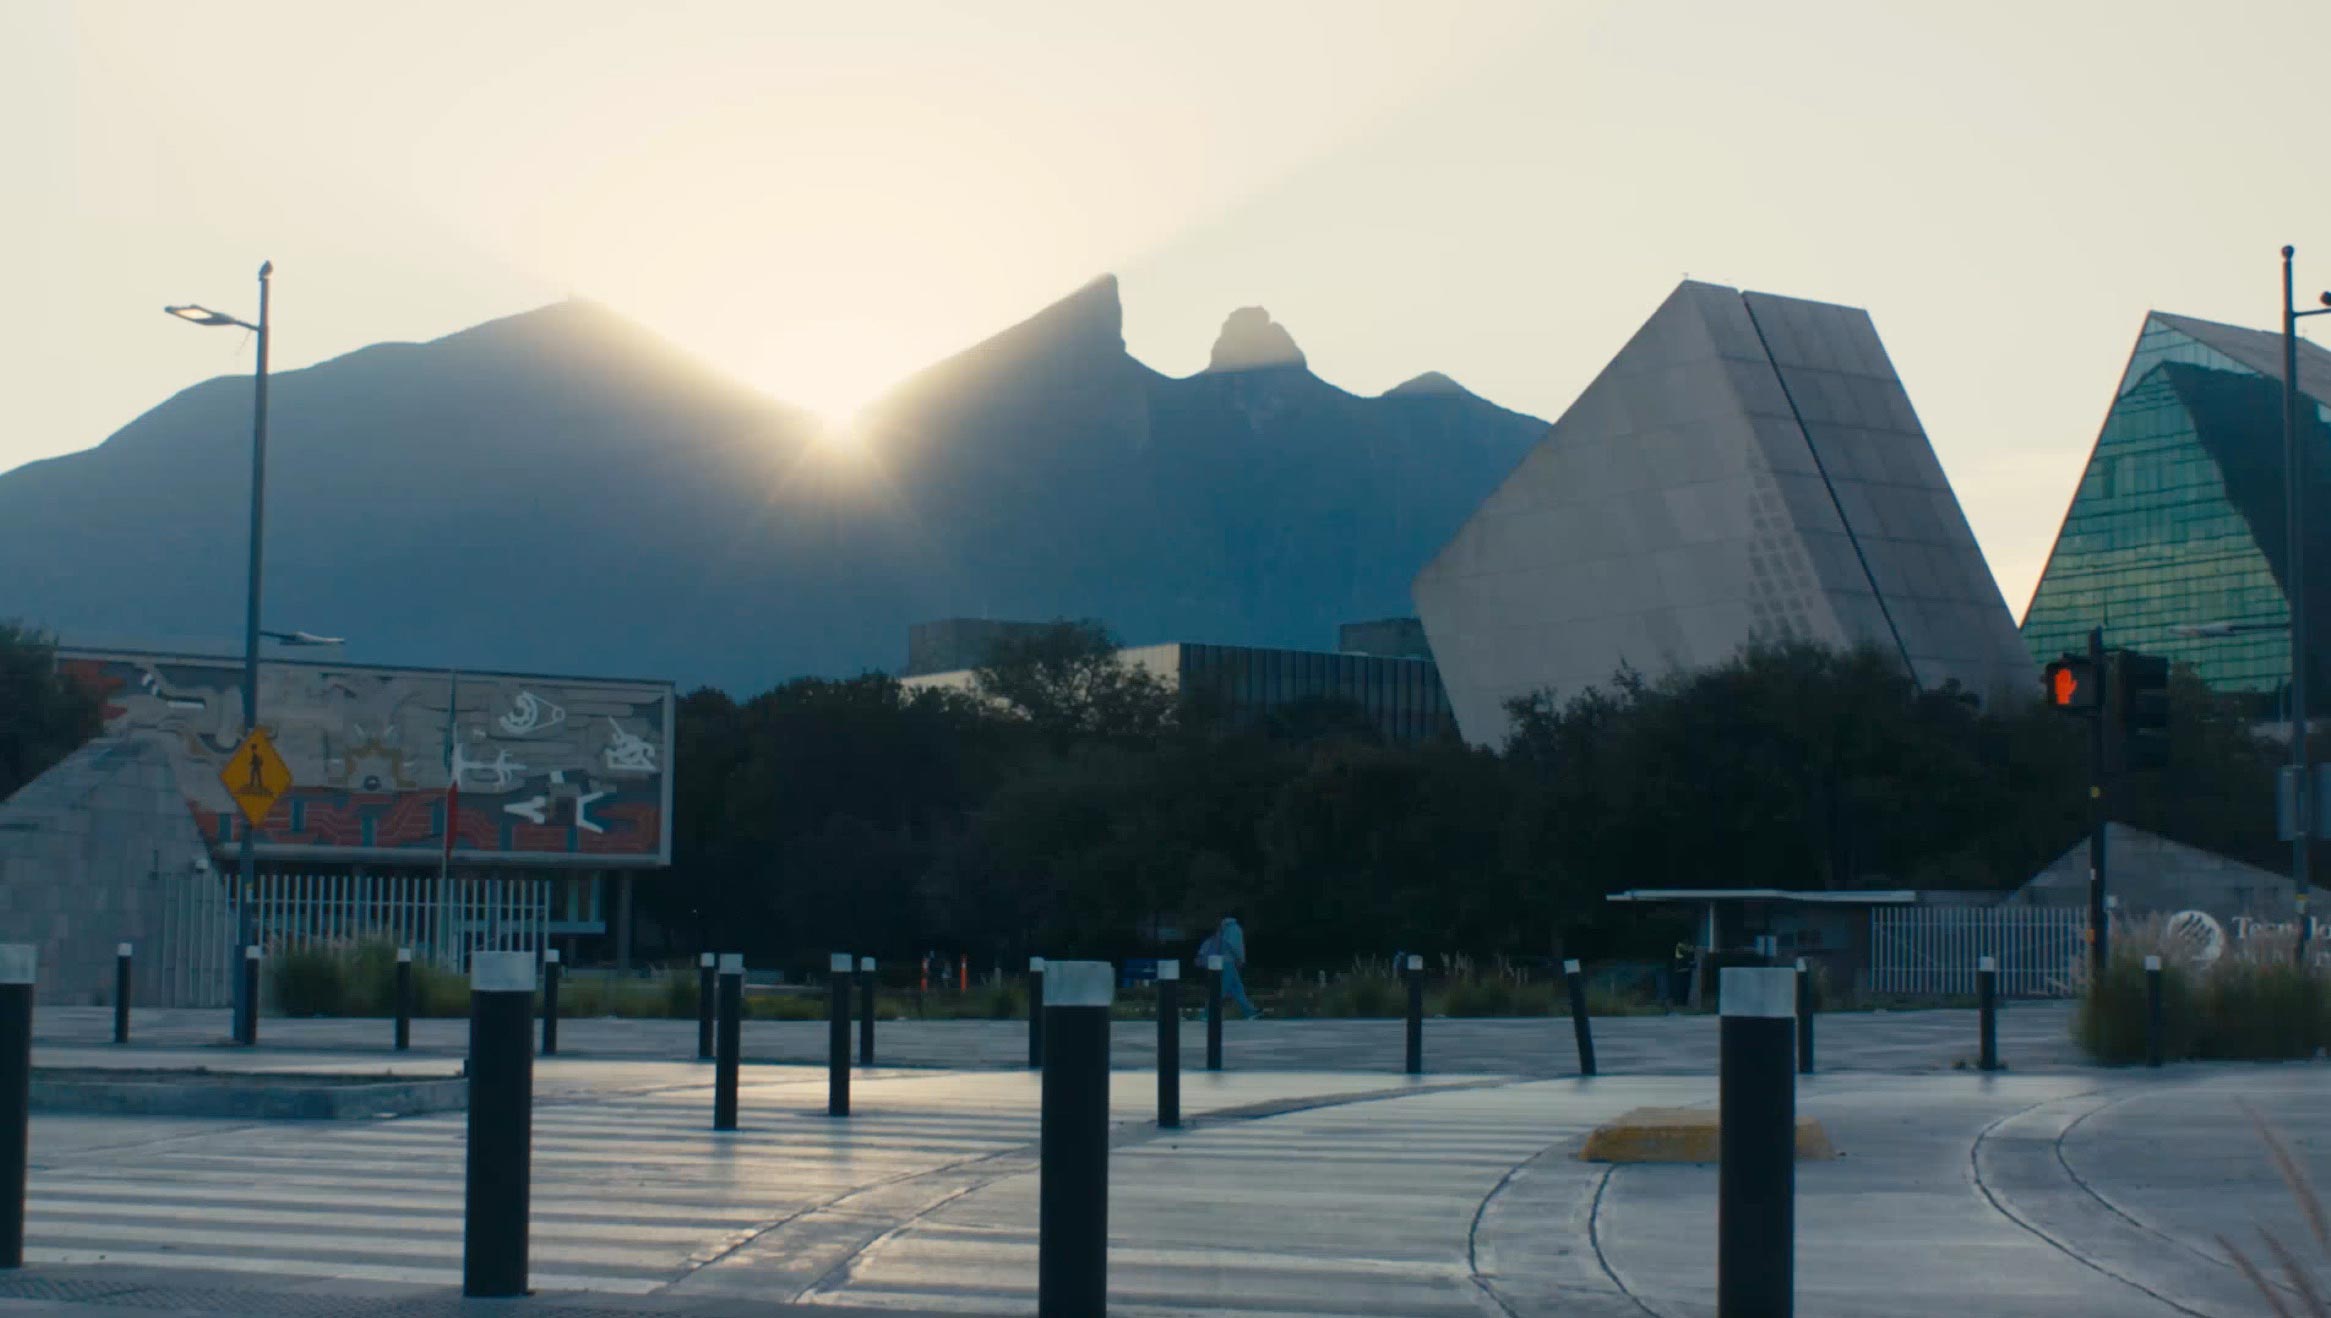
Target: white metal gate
{"x":442,"y":920}
{"x":195,"y":933}
{"x":1934,"y":949}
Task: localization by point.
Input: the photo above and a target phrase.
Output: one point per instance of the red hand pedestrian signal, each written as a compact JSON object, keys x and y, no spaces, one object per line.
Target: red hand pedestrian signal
{"x":2071,"y":684}
{"x":2067,"y":685}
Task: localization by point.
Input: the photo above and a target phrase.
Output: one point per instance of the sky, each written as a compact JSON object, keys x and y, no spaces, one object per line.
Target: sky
{"x":821,"y":198}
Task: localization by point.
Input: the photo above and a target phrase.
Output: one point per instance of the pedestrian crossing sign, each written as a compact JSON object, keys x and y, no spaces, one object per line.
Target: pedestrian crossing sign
{"x":256,"y":776}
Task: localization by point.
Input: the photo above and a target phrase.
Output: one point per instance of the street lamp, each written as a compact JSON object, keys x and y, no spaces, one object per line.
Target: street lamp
{"x":2295,"y":583}
{"x":291,"y":640}
{"x":248,"y":865}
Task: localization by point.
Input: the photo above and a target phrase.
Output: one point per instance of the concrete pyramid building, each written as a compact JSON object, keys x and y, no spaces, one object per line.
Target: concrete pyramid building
{"x":1748,"y":467}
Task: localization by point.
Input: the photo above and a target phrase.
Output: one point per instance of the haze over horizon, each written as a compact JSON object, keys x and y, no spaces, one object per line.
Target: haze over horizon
{"x":819,"y":203}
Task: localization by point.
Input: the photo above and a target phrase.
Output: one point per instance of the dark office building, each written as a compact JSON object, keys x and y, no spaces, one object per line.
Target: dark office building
{"x":2178,"y":523}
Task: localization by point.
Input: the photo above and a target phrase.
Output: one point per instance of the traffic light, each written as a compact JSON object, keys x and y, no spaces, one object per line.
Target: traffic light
{"x":2142,"y":684}
{"x":2071,"y":684}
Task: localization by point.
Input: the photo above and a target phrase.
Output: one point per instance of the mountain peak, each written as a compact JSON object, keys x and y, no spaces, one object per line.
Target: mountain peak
{"x":1252,"y":341}
{"x":1431,"y":384}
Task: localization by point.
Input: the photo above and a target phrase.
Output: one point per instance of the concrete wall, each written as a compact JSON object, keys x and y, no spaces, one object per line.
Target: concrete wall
{"x":2151,"y":875}
{"x":88,"y":854}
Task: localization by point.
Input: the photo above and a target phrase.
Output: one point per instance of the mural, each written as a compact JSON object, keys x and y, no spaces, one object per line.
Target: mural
{"x":550,"y":769}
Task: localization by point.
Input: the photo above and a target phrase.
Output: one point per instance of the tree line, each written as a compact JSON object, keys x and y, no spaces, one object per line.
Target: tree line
{"x":1068,"y":803}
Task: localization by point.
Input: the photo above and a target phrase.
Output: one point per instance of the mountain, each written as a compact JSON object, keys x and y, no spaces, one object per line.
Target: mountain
{"x":560,"y":491}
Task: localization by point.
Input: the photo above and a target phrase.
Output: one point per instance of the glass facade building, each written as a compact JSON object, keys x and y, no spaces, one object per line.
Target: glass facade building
{"x":1401,"y":696}
{"x":2178,"y":522}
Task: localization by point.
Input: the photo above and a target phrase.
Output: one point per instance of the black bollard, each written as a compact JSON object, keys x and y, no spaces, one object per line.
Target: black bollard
{"x":251,"y":994}
{"x":706,"y":994}
{"x":1575,"y":977}
{"x":1987,"y":1009}
{"x":404,"y":1003}
{"x":729,"y":998}
{"x":501,"y":1124}
{"x":1072,"y":1176}
{"x":1756,"y":1176}
{"x":838,"y":1038}
{"x":2154,"y":1023}
{"x":1804,"y":1019}
{"x":865,"y":1011}
{"x":550,"y":967}
{"x":18,"y":964}
{"x":121,"y":992}
{"x":1213,"y":1013}
{"x":1035,"y":1012}
{"x":1414,"y":973}
{"x":1169,"y":1044}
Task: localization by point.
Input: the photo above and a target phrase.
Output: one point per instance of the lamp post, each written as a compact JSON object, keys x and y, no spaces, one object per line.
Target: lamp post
{"x":247,"y":864}
{"x":2295,"y":586}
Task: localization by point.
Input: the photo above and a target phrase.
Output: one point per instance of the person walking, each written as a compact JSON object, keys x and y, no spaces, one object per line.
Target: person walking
{"x":1228,"y":941}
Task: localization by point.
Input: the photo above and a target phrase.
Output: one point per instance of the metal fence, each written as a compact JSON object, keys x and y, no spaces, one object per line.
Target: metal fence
{"x":1934,"y":949}
{"x":187,"y":966}
{"x":442,"y":920}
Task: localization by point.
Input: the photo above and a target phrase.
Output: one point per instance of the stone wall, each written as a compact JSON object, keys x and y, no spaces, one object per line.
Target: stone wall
{"x":89,"y":852}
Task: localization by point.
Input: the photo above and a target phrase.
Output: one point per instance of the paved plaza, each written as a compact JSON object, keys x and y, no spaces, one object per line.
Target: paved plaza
{"x":1311,"y":1179}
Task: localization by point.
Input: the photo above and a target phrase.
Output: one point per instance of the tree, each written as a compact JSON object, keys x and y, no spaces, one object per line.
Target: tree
{"x":44,"y":716}
{"x":1068,"y":680}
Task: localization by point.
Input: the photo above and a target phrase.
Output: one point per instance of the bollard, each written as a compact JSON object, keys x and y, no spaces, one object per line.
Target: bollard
{"x":1072,"y":1175}
{"x":1987,"y":1010}
{"x":865,"y":1011}
{"x":706,"y":994}
{"x":501,"y":1124}
{"x":1213,"y":1013}
{"x":251,"y":994}
{"x":18,"y":964}
{"x":1575,"y":977}
{"x":1035,"y":1012}
{"x":730,"y":999}
{"x":1756,"y":1137}
{"x":550,"y":1002}
{"x":1169,"y":1044}
{"x":1804,"y":1019}
{"x":2153,"y":1021}
{"x":1414,"y":973}
{"x":404,"y":1002}
{"x":838,"y":1038}
{"x":121,"y":993}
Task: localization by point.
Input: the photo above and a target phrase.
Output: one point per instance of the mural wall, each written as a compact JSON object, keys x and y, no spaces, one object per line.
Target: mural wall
{"x":557,"y":770}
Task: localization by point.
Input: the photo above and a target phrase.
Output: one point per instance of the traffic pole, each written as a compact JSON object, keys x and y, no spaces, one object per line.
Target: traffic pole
{"x":1804,"y":1018}
{"x":1414,"y":973}
{"x":19,"y":963}
{"x":501,"y":1124}
{"x":121,"y":992}
{"x":1169,"y":1044}
{"x":1072,"y":1177}
{"x":865,"y":1011}
{"x":2154,"y":1023}
{"x":550,"y":970}
{"x":1756,"y":1176}
{"x":402,"y":1039}
{"x":729,"y":997}
{"x":1035,"y":1012}
{"x":1214,"y":1013}
{"x":251,"y":994}
{"x":1574,"y":977}
{"x":838,"y":1036}
{"x":707,"y":996}
{"x":1987,"y":1012}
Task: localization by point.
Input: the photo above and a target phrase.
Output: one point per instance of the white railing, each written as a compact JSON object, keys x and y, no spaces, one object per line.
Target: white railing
{"x":193,"y":939}
{"x":442,"y":920}
{"x":1921,"y":950}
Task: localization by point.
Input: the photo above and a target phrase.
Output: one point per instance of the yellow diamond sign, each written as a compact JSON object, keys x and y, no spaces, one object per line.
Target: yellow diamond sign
{"x":256,"y":776}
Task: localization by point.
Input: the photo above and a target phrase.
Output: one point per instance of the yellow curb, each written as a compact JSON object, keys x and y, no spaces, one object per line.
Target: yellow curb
{"x":1682,"y":1134}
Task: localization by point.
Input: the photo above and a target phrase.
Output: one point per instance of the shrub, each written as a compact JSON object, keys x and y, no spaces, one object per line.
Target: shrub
{"x":2255,"y":1009}
{"x":309,"y":981}
{"x":2110,"y":1024}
